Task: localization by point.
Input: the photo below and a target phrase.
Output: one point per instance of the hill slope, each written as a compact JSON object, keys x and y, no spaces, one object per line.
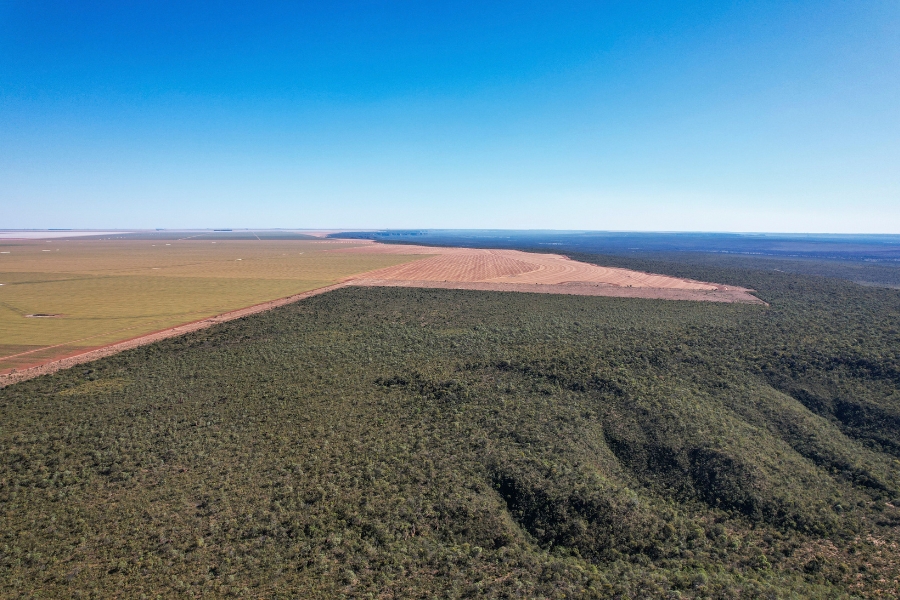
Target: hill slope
{"x":459,"y":443}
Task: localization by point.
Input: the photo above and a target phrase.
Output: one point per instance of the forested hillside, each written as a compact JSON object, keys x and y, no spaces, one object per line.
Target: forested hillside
{"x":375,"y":442}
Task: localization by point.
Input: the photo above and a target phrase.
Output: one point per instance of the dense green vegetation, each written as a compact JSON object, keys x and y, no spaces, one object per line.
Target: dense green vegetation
{"x":879,"y":274}
{"x":416,"y":443}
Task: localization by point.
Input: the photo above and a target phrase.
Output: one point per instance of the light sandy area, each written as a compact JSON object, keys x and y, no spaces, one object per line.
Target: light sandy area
{"x":48,"y":235}
{"x":513,"y":267}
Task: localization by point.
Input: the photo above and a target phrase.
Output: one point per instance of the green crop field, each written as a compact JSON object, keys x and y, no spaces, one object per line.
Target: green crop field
{"x":105,"y":291}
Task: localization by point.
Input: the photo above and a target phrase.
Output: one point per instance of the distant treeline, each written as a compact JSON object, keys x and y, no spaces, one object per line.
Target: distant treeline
{"x":866,"y":259}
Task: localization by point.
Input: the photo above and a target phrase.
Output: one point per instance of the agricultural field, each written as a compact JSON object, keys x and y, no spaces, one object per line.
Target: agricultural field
{"x":513,"y":266}
{"x":63,"y":296}
{"x":534,"y":272}
{"x":414,"y":443}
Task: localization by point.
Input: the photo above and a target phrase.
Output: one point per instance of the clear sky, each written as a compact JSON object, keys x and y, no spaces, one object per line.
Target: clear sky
{"x":724,"y":116}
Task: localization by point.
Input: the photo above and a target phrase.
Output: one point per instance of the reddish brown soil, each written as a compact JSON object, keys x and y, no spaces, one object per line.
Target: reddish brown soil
{"x":512,"y":270}
{"x":513,"y":266}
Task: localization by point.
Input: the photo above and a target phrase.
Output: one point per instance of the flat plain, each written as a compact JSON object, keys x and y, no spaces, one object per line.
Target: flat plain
{"x":512,"y":266}
{"x":506,"y":270}
{"x":63,"y":297}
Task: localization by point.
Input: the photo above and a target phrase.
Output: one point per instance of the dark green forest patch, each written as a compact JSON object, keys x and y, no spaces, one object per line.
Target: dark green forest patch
{"x":418,"y":443}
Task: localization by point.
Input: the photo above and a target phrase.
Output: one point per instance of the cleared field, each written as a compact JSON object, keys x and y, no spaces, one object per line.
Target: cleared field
{"x":104,"y":291}
{"x":513,"y":266}
{"x":513,"y":270}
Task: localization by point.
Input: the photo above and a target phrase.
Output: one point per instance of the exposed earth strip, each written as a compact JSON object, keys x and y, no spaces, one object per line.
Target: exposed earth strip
{"x":514,"y":270}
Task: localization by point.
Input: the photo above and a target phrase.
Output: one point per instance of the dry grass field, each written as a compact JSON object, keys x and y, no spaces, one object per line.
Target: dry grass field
{"x":98,"y":292}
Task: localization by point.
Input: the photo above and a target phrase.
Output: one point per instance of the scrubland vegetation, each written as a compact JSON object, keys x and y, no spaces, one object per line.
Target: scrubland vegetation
{"x":417,"y":443}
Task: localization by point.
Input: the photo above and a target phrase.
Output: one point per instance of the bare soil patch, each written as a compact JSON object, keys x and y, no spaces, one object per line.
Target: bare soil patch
{"x":513,"y":270}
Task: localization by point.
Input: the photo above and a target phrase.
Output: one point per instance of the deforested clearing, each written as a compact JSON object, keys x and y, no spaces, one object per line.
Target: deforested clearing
{"x":514,"y":270}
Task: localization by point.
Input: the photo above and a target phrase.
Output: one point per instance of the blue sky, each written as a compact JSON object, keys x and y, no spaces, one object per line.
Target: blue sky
{"x":721,"y":116}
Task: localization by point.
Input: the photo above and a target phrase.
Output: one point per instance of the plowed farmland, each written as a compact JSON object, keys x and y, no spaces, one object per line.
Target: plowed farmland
{"x":513,"y":270}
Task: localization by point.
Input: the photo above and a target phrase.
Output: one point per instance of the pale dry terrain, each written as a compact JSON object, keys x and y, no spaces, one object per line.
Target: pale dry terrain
{"x":513,"y":270}
{"x":512,"y":266}
{"x":64,"y":297}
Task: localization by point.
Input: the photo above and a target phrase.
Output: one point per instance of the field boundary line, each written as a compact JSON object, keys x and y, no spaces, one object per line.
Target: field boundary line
{"x":91,"y":355}
{"x":90,"y":337}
